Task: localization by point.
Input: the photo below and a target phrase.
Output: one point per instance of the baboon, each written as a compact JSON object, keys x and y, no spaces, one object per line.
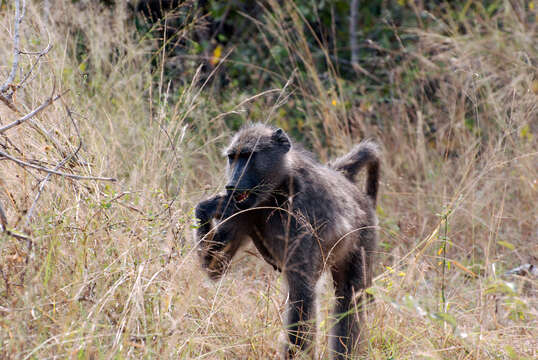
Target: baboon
{"x":303,"y":217}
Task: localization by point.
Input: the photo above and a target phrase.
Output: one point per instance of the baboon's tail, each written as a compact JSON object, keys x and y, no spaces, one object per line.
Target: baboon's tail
{"x":365,"y":153}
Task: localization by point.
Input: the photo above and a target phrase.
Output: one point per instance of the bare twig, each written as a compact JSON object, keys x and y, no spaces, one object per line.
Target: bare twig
{"x":39,"y":54}
{"x":52,"y":171}
{"x":10,"y":143}
{"x":37,"y":110}
{"x":19,"y":236}
{"x":3,"y":218}
{"x":58,"y":166}
{"x":8,"y":103}
{"x":19,"y":15}
{"x":3,"y":223}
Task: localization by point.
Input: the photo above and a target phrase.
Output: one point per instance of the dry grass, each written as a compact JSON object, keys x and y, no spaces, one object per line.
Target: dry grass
{"x":112,"y":272}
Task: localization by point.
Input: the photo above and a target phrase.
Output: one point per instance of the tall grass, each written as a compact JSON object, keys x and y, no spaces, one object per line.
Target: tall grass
{"x":113,"y":272}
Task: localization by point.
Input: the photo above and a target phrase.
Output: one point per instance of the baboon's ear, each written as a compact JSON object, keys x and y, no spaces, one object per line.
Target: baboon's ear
{"x":282,"y":139}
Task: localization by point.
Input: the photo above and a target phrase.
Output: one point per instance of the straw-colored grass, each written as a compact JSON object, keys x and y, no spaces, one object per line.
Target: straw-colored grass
{"x":112,"y":272}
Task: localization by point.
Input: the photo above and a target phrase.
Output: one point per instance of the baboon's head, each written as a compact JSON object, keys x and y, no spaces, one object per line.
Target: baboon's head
{"x":256,"y":163}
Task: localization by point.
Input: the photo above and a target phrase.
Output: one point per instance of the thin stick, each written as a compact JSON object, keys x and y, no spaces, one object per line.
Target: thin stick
{"x":16,"y":41}
{"x":3,"y":218}
{"x":58,"y":166}
{"x":8,"y":103}
{"x":445,"y":238}
{"x":3,"y":222}
{"x":51,"y":171}
{"x":39,"y":56}
{"x":31,"y":114}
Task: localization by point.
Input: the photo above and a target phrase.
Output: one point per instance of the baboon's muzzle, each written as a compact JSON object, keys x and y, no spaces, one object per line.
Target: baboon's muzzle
{"x":239,"y":195}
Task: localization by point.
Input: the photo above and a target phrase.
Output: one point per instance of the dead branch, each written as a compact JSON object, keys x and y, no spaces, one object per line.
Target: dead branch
{"x":52,"y":171}
{"x":28,"y":116}
{"x":7,"y":90}
{"x":19,"y":15}
{"x":8,"y":103}
{"x":3,"y":218}
{"x":3,"y":223}
{"x":36,"y":125}
{"x":58,"y":166}
{"x":10,"y":143}
{"x":39,"y":54}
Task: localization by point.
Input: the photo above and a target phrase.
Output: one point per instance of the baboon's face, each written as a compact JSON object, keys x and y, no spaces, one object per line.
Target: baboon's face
{"x":255,"y":164}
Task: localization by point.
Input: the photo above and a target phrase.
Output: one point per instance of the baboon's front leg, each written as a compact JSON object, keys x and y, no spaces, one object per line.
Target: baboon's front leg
{"x":299,"y":323}
{"x":212,"y":208}
{"x":219,"y":244}
{"x":204,"y":213}
{"x":226,"y":240}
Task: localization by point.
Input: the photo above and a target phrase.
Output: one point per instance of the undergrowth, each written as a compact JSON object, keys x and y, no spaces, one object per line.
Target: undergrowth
{"x":112,"y":271}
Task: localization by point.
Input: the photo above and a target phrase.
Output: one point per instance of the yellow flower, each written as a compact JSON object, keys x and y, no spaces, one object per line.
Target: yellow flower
{"x":217,"y":53}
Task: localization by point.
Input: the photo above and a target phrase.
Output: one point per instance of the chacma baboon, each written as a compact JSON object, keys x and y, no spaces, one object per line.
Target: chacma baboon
{"x":303,"y":217}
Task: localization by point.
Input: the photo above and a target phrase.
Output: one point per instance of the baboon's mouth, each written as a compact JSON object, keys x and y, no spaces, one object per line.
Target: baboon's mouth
{"x":242,"y":196}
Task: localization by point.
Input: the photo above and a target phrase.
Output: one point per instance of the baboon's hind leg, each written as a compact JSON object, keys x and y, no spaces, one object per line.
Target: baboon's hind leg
{"x":350,"y":280}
